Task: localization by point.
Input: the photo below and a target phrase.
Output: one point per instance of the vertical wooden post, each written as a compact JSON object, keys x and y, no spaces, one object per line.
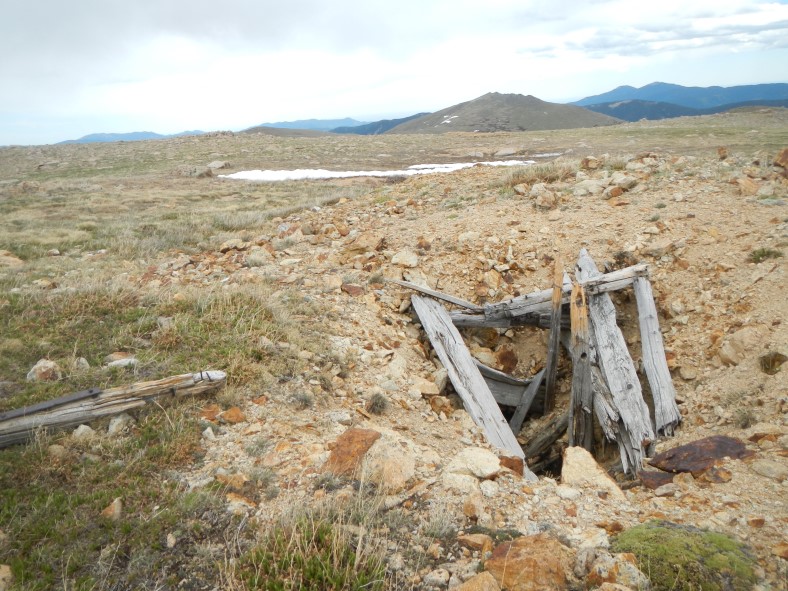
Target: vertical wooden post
{"x":580,"y":417}
{"x":555,"y":334}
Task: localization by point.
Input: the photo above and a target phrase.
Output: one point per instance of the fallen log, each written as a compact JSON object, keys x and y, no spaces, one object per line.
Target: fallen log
{"x":619,"y":372}
{"x":20,"y":425}
{"x":464,"y":375}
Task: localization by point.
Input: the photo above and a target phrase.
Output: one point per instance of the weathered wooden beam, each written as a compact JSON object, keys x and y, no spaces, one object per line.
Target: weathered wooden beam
{"x":548,"y":434}
{"x":464,"y":375}
{"x":437,"y":294}
{"x":551,"y":365}
{"x":69,"y":411}
{"x":666,"y":413}
{"x":516,"y":422}
{"x":462,"y":319}
{"x":506,"y":389}
{"x":618,"y":370}
{"x":532,"y":307}
{"x":581,"y":427}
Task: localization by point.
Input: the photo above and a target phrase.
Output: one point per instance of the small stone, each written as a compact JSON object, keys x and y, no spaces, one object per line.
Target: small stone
{"x":520,"y":189}
{"x":530,"y":563}
{"x":352,"y":289}
{"x":125,"y":362}
{"x":581,"y":470}
{"x":740,"y":345}
{"x":667,"y":490}
{"x":114,"y":510}
{"x":233,"y":415}
{"x":80,"y":364}
{"x":770,"y":469}
{"x":119,"y":424}
{"x":688,"y":373}
{"x":342,"y":417}
{"x":481,"y":582}
{"x":117,"y":356}
{"x":658,"y":248}
{"x":620,"y":569}
{"x":437,"y":578}
{"x":348,"y":451}
{"x":209,"y":434}
{"x":480,"y":542}
{"x":171,"y":540}
{"x":218,"y":164}
{"x":781,"y":550}
{"x":44,"y":371}
{"x":7,"y":259}
{"x":6,"y":577}
{"x":53,"y":252}
{"x":568,"y":493}
{"x":475,"y":461}
{"x":83,"y":433}
{"x":406,"y":258}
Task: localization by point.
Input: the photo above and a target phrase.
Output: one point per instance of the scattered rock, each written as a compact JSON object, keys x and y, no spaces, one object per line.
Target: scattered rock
{"x":119,"y":424}
{"x":581,"y":470}
{"x":390,"y":463}
{"x":80,"y":364}
{"x":83,"y":433}
{"x":219,"y":164}
{"x":700,"y":455}
{"x":232,"y":415}
{"x":437,"y":578}
{"x":658,"y":248}
{"x":113,"y":511}
{"x":530,"y":563}
{"x":481,"y":582}
{"x":619,"y":569}
{"x":406,"y":258}
{"x":589,"y":163}
{"x":233,"y":244}
{"x":654,"y":480}
{"x":44,"y":371}
{"x":480,"y":542}
{"x":770,"y":469}
{"x":348,"y":451}
{"x":741,"y":344}
{"x":352,"y":289}
{"x":624,"y":181}
{"x":475,"y":461}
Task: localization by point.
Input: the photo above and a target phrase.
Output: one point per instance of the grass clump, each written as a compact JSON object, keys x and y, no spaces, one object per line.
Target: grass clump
{"x":684,"y":558}
{"x":548,"y":172}
{"x":312,"y":552}
{"x":378,"y":404}
{"x":761,"y":254}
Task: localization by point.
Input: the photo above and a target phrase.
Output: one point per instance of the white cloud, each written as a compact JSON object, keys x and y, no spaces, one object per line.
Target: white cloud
{"x":179,"y":65}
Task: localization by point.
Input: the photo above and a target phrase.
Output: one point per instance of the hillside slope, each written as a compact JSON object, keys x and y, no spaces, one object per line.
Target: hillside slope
{"x":505,"y":112}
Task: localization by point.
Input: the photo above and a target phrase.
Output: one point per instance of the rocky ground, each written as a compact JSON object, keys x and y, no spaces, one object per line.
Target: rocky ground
{"x":695,"y":220}
{"x":377,"y":408}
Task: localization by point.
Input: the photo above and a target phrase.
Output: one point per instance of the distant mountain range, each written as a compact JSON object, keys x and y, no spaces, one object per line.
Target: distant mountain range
{"x":377,"y":127}
{"x":695,"y":97}
{"x":315,"y":124}
{"x":635,"y":110}
{"x":133,"y":136}
{"x":515,"y":112}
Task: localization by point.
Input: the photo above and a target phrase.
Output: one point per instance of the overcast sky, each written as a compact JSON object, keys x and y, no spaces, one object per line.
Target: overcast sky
{"x":84,"y":66}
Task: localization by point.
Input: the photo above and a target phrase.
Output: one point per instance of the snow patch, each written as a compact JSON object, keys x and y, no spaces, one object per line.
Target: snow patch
{"x":311,"y":173}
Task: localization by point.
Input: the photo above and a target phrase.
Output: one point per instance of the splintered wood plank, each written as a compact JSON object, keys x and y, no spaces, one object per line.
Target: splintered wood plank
{"x":618,"y":370}
{"x":516,"y":422}
{"x":581,"y":427}
{"x":464,"y":375}
{"x":555,"y":333}
{"x":541,"y":301}
{"x":437,"y":294}
{"x":69,"y":411}
{"x":666,"y":412}
{"x":506,"y":389}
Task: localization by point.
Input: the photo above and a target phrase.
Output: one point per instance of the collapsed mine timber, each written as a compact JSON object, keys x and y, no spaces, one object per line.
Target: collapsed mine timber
{"x":604,"y":385}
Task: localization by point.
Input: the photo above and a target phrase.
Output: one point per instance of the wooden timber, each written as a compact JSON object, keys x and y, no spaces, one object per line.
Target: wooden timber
{"x":19,"y":426}
{"x":437,"y":294}
{"x":581,"y":427}
{"x":666,"y":413}
{"x":534,"y":304}
{"x":553,"y":340}
{"x":619,"y":371}
{"x":506,"y":389}
{"x":516,"y":422}
{"x":464,"y":375}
